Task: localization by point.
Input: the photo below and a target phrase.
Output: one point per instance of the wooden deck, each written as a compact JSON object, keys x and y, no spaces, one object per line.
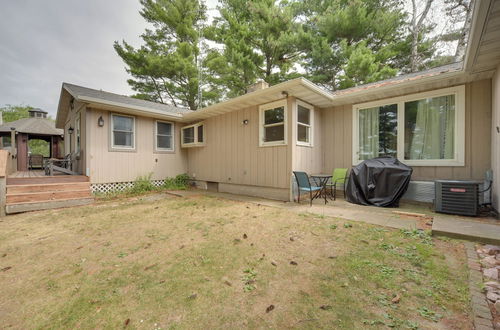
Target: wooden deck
{"x":28,"y":174}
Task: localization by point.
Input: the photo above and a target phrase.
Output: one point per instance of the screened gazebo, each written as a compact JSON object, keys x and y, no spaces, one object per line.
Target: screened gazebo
{"x":16,"y":135}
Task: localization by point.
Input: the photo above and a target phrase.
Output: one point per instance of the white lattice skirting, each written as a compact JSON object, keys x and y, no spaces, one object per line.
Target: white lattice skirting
{"x":105,"y":188}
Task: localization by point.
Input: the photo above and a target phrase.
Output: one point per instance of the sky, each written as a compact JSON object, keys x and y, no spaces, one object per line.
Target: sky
{"x":45,"y":43}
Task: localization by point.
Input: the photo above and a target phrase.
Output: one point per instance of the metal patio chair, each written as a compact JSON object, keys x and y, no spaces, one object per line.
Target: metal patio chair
{"x":304,"y":184}
{"x":339,"y":177}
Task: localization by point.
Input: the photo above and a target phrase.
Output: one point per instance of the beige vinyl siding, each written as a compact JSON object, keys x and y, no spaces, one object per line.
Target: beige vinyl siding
{"x":495,"y":137}
{"x":337,"y":138}
{"x":232,"y":153}
{"x":108,"y":165}
{"x":309,"y":158}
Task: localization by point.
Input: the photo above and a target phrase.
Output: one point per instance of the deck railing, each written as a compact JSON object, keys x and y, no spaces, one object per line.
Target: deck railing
{"x":5,"y":170}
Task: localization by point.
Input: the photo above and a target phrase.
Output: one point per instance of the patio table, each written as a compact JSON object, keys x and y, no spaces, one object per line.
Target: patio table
{"x":321,"y":180}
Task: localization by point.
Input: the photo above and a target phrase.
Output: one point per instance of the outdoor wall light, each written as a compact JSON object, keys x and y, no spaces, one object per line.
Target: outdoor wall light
{"x":70,"y":130}
{"x":245,"y":122}
{"x":100,"y":122}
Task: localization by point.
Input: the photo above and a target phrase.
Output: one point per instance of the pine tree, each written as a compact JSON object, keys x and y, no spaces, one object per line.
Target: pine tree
{"x":260,"y":40}
{"x":352,"y":42}
{"x":166,"y":67}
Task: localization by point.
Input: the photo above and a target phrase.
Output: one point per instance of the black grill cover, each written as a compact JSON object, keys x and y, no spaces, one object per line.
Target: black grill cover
{"x":379,"y":181}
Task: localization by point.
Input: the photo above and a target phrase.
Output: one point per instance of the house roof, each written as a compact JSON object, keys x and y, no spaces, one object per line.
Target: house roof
{"x":38,"y":126}
{"x":114,"y":102}
{"x":93,"y":95}
{"x":37,"y":110}
{"x":299,"y":87}
{"x":449,"y":68}
{"x":483,"y":49}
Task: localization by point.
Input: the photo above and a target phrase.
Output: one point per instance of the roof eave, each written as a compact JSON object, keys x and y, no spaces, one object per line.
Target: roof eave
{"x":480,"y":13}
{"x":128,"y":108}
{"x":216,"y":109}
{"x":348,"y":97}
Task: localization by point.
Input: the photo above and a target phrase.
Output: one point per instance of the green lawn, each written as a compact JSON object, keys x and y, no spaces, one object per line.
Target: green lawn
{"x":203,"y":262}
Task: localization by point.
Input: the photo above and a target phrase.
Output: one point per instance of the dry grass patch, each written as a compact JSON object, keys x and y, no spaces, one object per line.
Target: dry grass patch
{"x":204,"y":262}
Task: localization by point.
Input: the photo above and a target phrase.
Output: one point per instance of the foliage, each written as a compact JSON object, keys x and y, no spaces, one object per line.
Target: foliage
{"x":165,"y":67}
{"x":39,"y":147}
{"x":337,"y":44}
{"x":352,"y":42}
{"x":180,"y":182}
{"x":260,"y":40}
{"x":142,"y":184}
{"x":14,"y":112}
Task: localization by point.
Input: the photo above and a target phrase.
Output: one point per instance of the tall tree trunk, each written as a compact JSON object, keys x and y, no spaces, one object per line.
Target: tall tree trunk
{"x":416,"y":27}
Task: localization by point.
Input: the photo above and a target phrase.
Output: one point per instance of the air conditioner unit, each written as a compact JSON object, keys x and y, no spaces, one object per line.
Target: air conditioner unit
{"x":457,"y":197}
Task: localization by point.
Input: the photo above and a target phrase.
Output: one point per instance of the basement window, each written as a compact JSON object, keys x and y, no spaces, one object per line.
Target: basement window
{"x":193,"y":135}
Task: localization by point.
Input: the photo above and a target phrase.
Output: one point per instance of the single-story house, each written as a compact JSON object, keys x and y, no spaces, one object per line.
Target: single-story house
{"x":443,"y":122}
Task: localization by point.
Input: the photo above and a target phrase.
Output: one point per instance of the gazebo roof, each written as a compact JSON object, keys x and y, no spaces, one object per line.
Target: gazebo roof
{"x":39,"y":126}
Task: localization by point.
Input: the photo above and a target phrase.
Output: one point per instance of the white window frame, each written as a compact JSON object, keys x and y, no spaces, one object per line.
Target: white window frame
{"x":459,"y":139}
{"x":171,"y":149}
{"x":195,"y":143}
{"x":311,"y":123}
{"x":270,"y":106}
{"x":78,"y":133}
{"x":134,"y":130}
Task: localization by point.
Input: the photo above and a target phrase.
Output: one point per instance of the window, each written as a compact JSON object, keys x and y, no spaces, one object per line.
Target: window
{"x":272,"y":124}
{"x":78,"y":130}
{"x":122,"y":135}
{"x":164,"y":136}
{"x":420,"y":129}
{"x":378,"y":131}
{"x":304,"y":122}
{"x":6,"y":142}
{"x":429,"y":128}
{"x":193,"y":135}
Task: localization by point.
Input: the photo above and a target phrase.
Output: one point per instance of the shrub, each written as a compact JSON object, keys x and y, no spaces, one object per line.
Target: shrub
{"x":180,"y":182}
{"x":142,"y":184}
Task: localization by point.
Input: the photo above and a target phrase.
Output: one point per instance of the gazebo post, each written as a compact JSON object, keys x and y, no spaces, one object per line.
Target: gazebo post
{"x":13,"y":144}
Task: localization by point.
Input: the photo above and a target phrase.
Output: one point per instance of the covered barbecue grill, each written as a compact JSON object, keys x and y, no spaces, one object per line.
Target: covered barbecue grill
{"x":379,"y":181}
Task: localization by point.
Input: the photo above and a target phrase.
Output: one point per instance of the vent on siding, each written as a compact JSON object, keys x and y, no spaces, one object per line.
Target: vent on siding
{"x":420,"y":191}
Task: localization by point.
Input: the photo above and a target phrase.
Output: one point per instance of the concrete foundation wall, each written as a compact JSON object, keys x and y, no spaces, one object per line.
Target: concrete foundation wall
{"x":256,"y":191}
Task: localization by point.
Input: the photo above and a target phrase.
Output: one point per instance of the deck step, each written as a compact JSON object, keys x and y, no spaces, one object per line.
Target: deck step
{"x":36,"y":188}
{"x":47,"y":180}
{"x":45,"y":205}
{"x":47,"y":196}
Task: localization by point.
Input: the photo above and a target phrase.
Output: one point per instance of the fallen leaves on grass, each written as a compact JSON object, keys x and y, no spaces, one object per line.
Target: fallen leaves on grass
{"x":269,"y":308}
